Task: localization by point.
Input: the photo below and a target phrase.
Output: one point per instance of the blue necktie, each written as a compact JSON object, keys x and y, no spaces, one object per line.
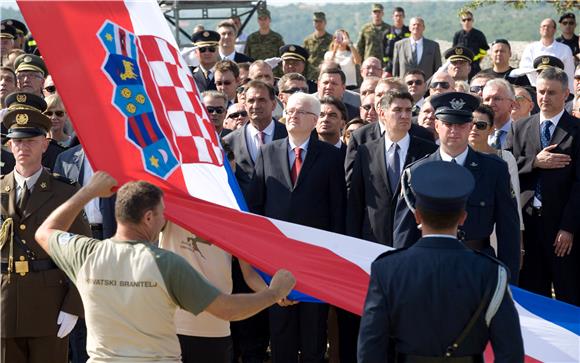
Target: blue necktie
{"x":496,"y":139}
{"x":545,"y":141}
{"x":393,"y":166}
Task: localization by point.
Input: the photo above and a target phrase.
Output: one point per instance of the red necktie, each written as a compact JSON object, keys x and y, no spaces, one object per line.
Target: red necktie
{"x":262,"y":136}
{"x":297,"y":165}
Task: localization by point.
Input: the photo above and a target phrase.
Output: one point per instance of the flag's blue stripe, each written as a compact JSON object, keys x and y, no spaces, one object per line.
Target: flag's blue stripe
{"x":294,"y":295}
{"x":557,"y":312}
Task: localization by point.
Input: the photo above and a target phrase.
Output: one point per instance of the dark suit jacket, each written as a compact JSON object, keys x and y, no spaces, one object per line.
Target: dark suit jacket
{"x":318,"y":198}
{"x":403,"y":59}
{"x":372,"y":132}
{"x":560,"y":187}
{"x":241,"y":58}
{"x":244,"y":164}
{"x":201,"y":82}
{"x":71,"y":165}
{"x":491,"y":203}
{"x":370,"y":200}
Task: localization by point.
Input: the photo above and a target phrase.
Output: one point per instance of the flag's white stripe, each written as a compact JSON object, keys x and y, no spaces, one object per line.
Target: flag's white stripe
{"x":209,"y":182}
{"x":147,"y":19}
{"x":360,"y":252}
{"x":545,"y":341}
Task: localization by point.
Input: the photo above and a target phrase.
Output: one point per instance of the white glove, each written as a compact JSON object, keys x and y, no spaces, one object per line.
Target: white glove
{"x":273,"y":62}
{"x":67,"y":322}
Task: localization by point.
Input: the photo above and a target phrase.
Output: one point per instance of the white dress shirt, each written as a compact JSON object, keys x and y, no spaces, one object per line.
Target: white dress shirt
{"x":230,"y":56}
{"x":403,"y":149}
{"x":419,"y":45}
{"x":556,"y":49}
{"x":30,"y":181}
{"x":253,"y":138}
{"x":303,"y":152}
{"x":459,"y":159}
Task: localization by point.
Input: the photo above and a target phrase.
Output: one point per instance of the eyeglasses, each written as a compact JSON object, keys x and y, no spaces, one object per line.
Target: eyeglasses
{"x":240,"y":89}
{"x":291,"y":91}
{"x":416,"y":82}
{"x":519,"y":98}
{"x":205,"y":49}
{"x":57,"y":113}
{"x":50,"y":89}
{"x":299,"y":112}
{"x":494,"y":99}
{"x":223,"y":83}
{"x":476,"y":89}
{"x":238,"y":114}
{"x":218,"y":110}
{"x":22,"y":75}
{"x":568,"y":23}
{"x":481,"y":125}
{"x":577,"y":78}
{"x":366,"y":107}
{"x":444,"y":85}
{"x":466,"y":19}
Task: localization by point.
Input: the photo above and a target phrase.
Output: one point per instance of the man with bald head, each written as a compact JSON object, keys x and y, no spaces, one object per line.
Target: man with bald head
{"x":416,"y":52}
{"x":442,"y":82}
{"x":547,"y":45}
{"x":371,"y":67}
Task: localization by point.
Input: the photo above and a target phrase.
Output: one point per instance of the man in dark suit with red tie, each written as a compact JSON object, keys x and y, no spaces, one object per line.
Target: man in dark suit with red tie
{"x":547,"y":147}
{"x":300,"y":179}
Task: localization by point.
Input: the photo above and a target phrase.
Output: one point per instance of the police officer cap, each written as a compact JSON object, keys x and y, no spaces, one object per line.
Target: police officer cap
{"x":25,"y":100}
{"x":7,"y":31}
{"x":293,"y":51}
{"x":319,"y":16}
{"x":205,"y":38}
{"x":378,"y":7}
{"x":454,"y":107}
{"x":567,"y":16}
{"x":24,"y":123}
{"x":546,"y":61}
{"x":264,"y":13}
{"x":20,"y":27}
{"x":441,"y":186}
{"x":30,"y":62}
{"x":459,"y":53}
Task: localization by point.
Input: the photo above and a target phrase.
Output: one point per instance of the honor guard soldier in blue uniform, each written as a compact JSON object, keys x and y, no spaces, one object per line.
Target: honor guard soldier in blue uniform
{"x":438,"y":301}
{"x":492,"y":202}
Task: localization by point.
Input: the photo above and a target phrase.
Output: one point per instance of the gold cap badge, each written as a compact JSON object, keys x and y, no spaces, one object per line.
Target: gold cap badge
{"x":21,"y":119}
{"x":21,"y":98}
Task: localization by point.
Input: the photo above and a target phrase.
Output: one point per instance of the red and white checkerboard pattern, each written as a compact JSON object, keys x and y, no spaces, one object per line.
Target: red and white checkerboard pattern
{"x":193,"y":134}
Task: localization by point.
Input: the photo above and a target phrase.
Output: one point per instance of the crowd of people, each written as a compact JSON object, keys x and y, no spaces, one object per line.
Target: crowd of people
{"x":324,"y":134}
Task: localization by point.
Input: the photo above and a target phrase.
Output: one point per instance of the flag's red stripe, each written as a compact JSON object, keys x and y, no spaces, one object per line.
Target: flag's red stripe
{"x":137,"y":132}
{"x":150,"y":131}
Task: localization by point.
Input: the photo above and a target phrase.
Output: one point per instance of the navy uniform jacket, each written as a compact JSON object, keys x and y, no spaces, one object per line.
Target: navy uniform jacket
{"x":491,"y":203}
{"x":424,"y":296}
{"x":317,"y":200}
{"x":370,"y":200}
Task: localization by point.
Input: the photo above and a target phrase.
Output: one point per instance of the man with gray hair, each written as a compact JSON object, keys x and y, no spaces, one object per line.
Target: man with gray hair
{"x":499,"y":95}
{"x":547,"y":147}
{"x":300,"y":179}
{"x":216,"y":104}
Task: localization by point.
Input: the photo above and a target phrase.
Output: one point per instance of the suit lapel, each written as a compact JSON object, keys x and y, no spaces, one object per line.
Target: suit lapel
{"x":411,"y":153}
{"x":41,"y":193}
{"x":379,"y":155}
{"x":534,"y":135}
{"x":562,"y":130}
{"x":244,"y":146}
{"x":283,"y":162}
{"x":311,"y":155}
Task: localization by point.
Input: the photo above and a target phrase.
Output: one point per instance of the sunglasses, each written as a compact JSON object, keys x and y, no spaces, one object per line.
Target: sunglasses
{"x":57,"y":113}
{"x":291,"y":91}
{"x":476,"y":89}
{"x":481,"y":125}
{"x":50,"y":89}
{"x":366,"y":107}
{"x":223,"y":83}
{"x":205,"y":49}
{"x":238,"y":114}
{"x":466,"y":19}
{"x":218,"y":110}
{"x":444,"y":85}
{"x":568,"y":23}
{"x":416,"y":82}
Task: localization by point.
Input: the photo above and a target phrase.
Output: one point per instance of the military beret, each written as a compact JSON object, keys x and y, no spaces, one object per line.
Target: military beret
{"x":20,"y":27}
{"x":205,"y":38}
{"x":441,"y":186}
{"x":293,"y":51}
{"x":25,"y":100}
{"x":7,"y":31}
{"x":454,"y":107}
{"x":319,"y":16}
{"x":25,"y":123}
{"x":264,"y":13}
{"x":30,"y":62}
{"x":546,"y":61}
{"x":378,"y":7}
{"x":459,"y":53}
{"x":567,"y":16}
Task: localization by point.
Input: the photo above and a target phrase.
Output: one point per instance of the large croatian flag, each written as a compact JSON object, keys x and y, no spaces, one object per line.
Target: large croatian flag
{"x":138,"y":114}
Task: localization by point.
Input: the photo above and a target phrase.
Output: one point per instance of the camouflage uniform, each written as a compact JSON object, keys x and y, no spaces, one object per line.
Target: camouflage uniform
{"x":316,"y":47}
{"x":389,"y":39}
{"x":260,"y":46}
{"x":370,"y":41}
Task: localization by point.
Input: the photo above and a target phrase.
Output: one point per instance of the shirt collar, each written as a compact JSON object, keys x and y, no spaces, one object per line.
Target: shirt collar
{"x":507,"y":126}
{"x":268,"y":130}
{"x":338,"y":145}
{"x":230,"y":56}
{"x":554,"y":119}
{"x":30,"y":181}
{"x":403,"y":143}
{"x":460,"y":159}
{"x":413,"y":41}
{"x":304,"y":145}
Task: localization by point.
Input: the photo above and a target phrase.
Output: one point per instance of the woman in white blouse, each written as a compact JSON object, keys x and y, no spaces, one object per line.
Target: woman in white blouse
{"x":345,"y":54}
